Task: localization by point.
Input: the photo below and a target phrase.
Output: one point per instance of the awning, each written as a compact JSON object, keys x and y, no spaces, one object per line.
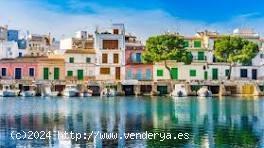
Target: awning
{"x":129,"y":82}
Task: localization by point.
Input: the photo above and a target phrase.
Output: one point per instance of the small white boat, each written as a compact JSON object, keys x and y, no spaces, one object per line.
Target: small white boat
{"x":9,"y":92}
{"x":204,"y":92}
{"x":47,"y":92}
{"x":28,"y":91}
{"x":108,"y":92}
{"x":179,"y":91}
{"x":71,"y":91}
{"x":87,"y":93}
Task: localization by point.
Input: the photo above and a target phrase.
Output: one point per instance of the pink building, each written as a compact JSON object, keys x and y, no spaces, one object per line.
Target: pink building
{"x":19,"y":68}
{"x":135,"y":69}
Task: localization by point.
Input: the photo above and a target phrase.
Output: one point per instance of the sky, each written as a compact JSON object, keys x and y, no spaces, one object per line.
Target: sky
{"x":142,"y":18}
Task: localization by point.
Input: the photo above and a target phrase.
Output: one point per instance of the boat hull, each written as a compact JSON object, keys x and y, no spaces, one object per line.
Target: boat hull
{"x":10,"y":93}
{"x":28,"y":93}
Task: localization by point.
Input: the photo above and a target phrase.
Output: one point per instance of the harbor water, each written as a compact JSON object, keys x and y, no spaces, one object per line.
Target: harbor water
{"x":182,"y":122}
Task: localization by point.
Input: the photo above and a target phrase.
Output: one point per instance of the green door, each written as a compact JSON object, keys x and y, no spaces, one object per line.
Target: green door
{"x":200,"y":55}
{"x":56,"y":73}
{"x":215,"y":73}
{"x":80,"y":74}
{"x":205,"y":75}
{"x":46,"y":73}
{"x":174,"y":73}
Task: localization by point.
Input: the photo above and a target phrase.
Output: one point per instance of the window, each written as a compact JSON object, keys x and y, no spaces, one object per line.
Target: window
{"x":138,"y":57}
{"x":69,"y":73}
{"x":110,"y":44}
{"x":148,"y":74}
{"x":46,"y":73}
{"x":116,"y":31}
{"x":186,"y":44}
{"x":31,"y":72}
{"x":4,"y":72}
{"x":192,"y":73}
{"x":197,"y":43}
{"x":201,"y":55}
{"x":159,"y":72}
{"x":104,"y":58}
{"x":105,"y":71}
{"x":20,"y":54}
{"x":128,"y":74}
{"x":116,"y":58}
{"x":88,"y":60}
{"x":227,"y":72}
{"x":262,"y":55}
{"x":243,"y":73}
{"x":71,"y":60}
{"x":56,"y":73}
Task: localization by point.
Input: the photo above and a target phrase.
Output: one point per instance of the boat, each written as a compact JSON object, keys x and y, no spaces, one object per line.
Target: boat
{"x":70,"y":91}
{"x":204,"y":92}
{"x":28,"y":91}
{"x":47,"y":92}
{"x":179,"y":91}
{"x":86,"y":93}
{"x":108,"y":92}
{"x":8,"y":91}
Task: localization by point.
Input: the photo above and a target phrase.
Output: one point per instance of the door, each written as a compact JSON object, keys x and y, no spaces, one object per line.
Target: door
{"x":139,"y":74}
{"x":174,"y":73}
{"x":56,"y":73}
{"x":117,"y":73}
{"x":46,"y":73}
{"x":80,"y":74}
{"x":254,"y":74}
{"x":215,"y":74}
{"x":18,"y":73}
{"x":205,"y":75}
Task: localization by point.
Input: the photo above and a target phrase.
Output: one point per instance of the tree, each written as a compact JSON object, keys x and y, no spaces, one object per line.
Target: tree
{"x":233,"y":49}
{"x":166,"y":47}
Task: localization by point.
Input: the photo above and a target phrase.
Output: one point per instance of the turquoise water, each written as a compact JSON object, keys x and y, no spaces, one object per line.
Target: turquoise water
{"x":225,"y":122}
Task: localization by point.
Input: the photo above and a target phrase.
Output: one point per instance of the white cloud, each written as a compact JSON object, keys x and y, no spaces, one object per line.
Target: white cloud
{"x":143,"y":23}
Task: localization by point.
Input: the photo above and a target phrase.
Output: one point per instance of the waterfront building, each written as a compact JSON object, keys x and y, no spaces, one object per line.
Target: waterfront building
{"x":110,"y":53}
{"x":137,"y":73}
{"x":12,"y":35}
{"x":80,"y":61}
{"x":51,"y":68}
{"x":32,"y":68}
{"x":39,"y":45}
{"x":3,"y":33}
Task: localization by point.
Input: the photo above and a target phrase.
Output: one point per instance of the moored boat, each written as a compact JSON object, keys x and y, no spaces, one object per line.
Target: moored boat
{"x":204,"y":92}
{"x":46,"y":91}
{"x":179,"y":91}
{"x":28,"y":91}
{"x":9,"y":91}
{"x":71,"y":91}
{"x":108,"y":92}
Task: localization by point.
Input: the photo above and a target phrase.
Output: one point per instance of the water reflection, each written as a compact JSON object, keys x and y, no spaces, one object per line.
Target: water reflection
{"x":210,"y":122}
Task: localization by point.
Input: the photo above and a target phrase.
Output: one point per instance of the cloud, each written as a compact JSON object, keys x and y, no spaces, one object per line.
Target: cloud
{"x":142,"y":23}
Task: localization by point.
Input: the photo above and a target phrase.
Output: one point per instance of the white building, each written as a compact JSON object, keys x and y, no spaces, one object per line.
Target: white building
{"x":110,"y":53}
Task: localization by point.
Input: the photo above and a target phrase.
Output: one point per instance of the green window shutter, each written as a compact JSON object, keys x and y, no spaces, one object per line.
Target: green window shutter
{"x":69,"y":73}
{"x":46,"y":73}
{"x":71,"y":60}
{"x":56,"y":73}
{"x":174,"y":73}
{"x":80,"y":74}
{"x":192,"y":73}
{"x":160,"y":72}
{"x":197,"y":44}
{"x":200,"y":55}
{"x":226,"y":72}
{"x":186,"y":44}
{"x":205,"y":75}
{"x":215,"y":73}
